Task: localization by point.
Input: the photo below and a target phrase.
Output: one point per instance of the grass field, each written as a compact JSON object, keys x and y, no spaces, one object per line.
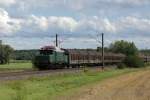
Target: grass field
{"x":50,"y":87}
{"x":16,"y":65}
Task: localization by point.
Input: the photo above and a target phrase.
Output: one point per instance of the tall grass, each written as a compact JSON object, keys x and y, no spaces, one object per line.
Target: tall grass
{"x":17,"y":65}
{"x":49,"y":87}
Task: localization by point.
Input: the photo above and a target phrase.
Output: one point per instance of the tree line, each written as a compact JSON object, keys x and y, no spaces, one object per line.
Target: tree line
{"x":24,"y":54}
{"x":127,"y":48}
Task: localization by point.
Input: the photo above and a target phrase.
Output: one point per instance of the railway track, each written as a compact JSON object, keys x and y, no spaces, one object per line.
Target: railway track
{"x":5,"y":76}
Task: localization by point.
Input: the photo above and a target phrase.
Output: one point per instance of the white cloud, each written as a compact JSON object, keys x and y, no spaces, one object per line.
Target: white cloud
{"x":7,"y":2}
{"x":41,"y":26}
{"x":37,"y":22}
{"x":101,"y":4}
{"x":96,"y":24}
{"x":76,"y":4}
{"x":137,"y":24}
{"x":8,"y":25}
{"x":44,"y":25}
{"x":65,"y":23}
{"x":131,"y":2}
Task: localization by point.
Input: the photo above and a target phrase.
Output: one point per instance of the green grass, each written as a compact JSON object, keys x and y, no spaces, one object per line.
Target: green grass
{"x":16,"y":65}
{"x":47,"y":88}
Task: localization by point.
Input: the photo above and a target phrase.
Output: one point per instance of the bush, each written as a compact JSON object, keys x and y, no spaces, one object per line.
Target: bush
{"x":134,"y":61}
{"x":147,"y":64}
{"x":85,"y":69}
{"x":121,"y":66}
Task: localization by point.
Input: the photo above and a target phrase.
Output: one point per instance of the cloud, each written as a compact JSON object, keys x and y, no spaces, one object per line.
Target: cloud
{"x":136,"y":23}
{"x":7,"y":2}
{"x":77,"y":5}
{"x":8,"y":25}
{"x":133,"y":26}
{"x":41,"y":26}
{"x":131,"y":2}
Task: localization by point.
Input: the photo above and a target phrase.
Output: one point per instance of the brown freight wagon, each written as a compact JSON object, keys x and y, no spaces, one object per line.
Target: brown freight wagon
{"x":92,"y":57}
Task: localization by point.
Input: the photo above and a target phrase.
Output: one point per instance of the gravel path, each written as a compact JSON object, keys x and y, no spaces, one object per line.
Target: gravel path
{"x":133,"y":86}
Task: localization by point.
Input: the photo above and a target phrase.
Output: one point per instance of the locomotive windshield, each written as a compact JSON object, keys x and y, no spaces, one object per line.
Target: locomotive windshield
{"x":46,"y":52}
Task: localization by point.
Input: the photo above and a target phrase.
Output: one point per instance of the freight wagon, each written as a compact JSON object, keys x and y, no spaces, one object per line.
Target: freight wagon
{"x":91,"y":58}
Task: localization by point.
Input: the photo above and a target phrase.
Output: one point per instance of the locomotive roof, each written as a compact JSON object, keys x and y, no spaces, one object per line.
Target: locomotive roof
{"x":54,"y":48}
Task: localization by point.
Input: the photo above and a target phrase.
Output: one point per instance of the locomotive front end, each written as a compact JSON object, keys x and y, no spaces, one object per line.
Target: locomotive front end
{"x":50,"y":57}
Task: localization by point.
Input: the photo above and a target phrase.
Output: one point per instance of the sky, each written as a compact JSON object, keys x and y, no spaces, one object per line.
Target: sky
{"x":31,"y":24}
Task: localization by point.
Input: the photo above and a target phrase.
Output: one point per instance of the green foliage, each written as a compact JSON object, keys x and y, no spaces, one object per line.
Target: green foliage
{"x":20,"y":91}
{"x":85,"y":69}
{"x":124,"y":47}
{"x":5,"y":52}
{"x":130,"y":50}
{"x":147,"y":64}
{"x":16,"y":65}
{"x":24,"y":54}
{"x":121,"y":66}
{"x":134,"y":61}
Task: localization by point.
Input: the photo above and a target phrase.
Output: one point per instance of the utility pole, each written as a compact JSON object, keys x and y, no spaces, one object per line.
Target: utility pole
{"x":56,"y":40}
{"x":0,"y":42}
{"x":1,"y":52}
{"x":146,"y":55}
{"x":103,"y":51}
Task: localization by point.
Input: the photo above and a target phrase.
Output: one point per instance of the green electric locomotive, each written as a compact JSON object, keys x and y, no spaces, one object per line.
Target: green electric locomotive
{"x":51,"y":57}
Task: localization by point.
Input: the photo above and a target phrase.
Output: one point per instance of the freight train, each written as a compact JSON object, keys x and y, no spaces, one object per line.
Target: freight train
{"x":51,"y":57}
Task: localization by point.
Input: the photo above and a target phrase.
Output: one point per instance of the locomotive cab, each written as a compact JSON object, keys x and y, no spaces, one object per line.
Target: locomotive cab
{"x":51,"y":57}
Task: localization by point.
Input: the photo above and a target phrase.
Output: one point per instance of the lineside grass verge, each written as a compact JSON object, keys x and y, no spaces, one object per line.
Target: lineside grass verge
{"x":50,"y":87}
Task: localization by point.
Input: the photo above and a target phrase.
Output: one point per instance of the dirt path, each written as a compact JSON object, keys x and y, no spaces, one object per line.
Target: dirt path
{"x":133,"y":86}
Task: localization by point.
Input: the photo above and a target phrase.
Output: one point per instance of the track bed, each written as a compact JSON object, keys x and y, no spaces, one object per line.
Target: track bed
{"x":4,"y":76}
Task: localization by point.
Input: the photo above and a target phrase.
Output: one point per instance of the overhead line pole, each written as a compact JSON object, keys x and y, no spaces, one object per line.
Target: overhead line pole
{"x":56,"y":40}
{"x":103,"y":51}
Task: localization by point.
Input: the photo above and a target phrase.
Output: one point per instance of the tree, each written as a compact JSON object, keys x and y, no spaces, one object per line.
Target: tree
{"x":130,"y":50}
{"x":133,"y":61}
{"x":5,"y":51}
{"x":124,"y":47}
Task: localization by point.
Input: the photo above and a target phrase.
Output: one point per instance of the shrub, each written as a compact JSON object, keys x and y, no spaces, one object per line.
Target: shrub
{"x":147,"y":64}
{"x":134,"y":61}
{"x":121,"y":66}
{"x":85,"y":69}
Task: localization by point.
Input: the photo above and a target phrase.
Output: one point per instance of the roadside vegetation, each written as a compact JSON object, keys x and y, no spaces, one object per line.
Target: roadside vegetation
{"x":130,"y":51}
{"x":5,"y":52}
{"x":50,"y":87}
{"x":16,"y":65}
{"x":24,"y":54}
